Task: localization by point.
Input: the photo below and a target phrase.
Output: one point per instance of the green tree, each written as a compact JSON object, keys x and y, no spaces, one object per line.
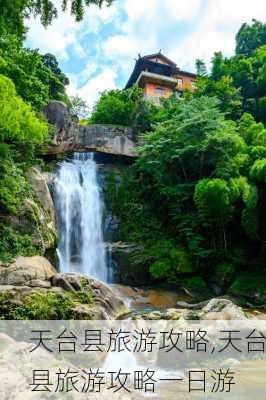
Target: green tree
{"x":218,"y":66}
{"x":125,"y":107}
{"x":200,"y":174}
{"x":37,"y":78}
{"x":201,"y":68}
{"x":79,"y":107}
{"x":18,"y":121}
{"x":12,"y":17}
{"x":20,"y":131}
{"x":250,"y":37}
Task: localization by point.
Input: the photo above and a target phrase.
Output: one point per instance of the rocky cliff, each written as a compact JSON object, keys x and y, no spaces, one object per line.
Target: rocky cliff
{"x":70,"y":136}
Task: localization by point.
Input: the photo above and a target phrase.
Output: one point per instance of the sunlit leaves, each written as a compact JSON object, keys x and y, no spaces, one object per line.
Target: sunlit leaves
{"x":258,"y":170}
{"x":212,"y":197}
{"x":18,"y":121}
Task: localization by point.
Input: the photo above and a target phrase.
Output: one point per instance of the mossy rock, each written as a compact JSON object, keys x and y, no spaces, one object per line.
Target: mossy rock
{"x":55,"y":296}
{"x":223,"y":274}
{"x":31,"y":232}
{"x":42,"y":304}
{"x":251,"y":286}
{"x":196,"y":286}
{"x":126,"y":268}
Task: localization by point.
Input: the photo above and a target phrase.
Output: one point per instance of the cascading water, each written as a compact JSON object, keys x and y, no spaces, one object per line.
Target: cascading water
{"x":80,"y":211}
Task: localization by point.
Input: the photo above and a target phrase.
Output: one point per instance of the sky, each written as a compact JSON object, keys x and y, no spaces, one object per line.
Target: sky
{"x":99,"y":53}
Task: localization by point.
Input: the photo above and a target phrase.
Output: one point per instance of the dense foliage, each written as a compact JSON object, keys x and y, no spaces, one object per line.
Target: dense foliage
{"x":240,"y":81}
{"x":250,"y":37}
{"x":37,"y":78}
{"x":45,"y":305}
{"x":196,"y":196}
{"x":28,"y":81}
{"x":20,"y":130}
{"x":123,"y":107}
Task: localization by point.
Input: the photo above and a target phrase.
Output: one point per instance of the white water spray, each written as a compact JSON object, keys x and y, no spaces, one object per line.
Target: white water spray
{"x":80,"y":210}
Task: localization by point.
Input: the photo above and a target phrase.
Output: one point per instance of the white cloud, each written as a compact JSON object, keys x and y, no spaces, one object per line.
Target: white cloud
{"x":105,"y":80}
{"x":182,"y":10}
{"x":227,"y":12}
{"x":88,"y":71}
{"x":120,"y":44}
{"x":145,"y":20}
{"x":65,"y":31}
{"x":149,"y":9}
{"x":216,"y":29}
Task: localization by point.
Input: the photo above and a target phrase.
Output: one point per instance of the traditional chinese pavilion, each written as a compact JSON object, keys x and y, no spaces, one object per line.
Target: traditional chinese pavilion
{"x":160,"y":77}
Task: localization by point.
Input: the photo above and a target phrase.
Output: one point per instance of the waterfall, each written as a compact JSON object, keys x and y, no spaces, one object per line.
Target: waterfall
{"x":79,"y":208}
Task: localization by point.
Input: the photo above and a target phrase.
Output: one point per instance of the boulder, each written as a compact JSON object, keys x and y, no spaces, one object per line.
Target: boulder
{"x":170,"y":314}
{"x":221,"y":309}
{"x":31,"y":288}
{"x":192,"y":306}
{"x":126,"y":269}
{"x":250,"y":288}
{"x":106,"y":304}
{"x":57,"y":114}
{"x":70,"y":136}
{"x":195,"y":286}
{"x":31,"y":271}
{"x":69,"y":281}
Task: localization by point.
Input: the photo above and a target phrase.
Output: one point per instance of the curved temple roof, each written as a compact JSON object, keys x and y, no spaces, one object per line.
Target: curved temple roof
{"x":156,"y":64}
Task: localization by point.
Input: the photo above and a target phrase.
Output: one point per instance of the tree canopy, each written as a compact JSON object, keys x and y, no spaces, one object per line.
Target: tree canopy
{"x":37,"y":78}
{"x":124,"y":107}
{"x":250,"y":37}
{"x":240,"y":81}
{"x":13,"y":13}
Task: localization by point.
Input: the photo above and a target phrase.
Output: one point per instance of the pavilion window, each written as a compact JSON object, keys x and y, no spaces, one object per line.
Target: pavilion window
{"x":159,"y":91}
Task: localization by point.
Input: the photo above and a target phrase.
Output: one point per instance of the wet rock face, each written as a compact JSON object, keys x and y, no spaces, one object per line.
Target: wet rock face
{"x":126,"y":270}
{"x":42,"y":208}
{"x":70,"y":136}
{"x":41,"y":189}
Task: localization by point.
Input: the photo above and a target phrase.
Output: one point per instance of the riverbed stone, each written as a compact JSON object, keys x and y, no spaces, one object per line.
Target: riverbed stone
{"x":68,"y":281}
{"x":222,"y":309}
{"x":107,"y":304}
